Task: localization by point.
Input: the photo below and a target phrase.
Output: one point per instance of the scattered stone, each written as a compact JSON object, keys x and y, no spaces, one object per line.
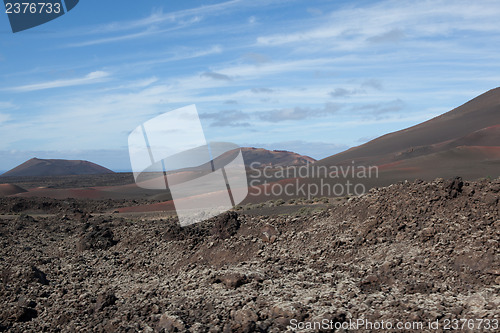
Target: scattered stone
{"x":268,"y":233}
{"x":38,"y":276}
{"x":244,"y":321}
{"x":22,"y":314}
{"x":97,"y":238}
{"x":370,"y":284}
{"x":106,"y":299}
{"x":455,"y":187}
{"x":171,"y":323}
{"x":232,"y":280}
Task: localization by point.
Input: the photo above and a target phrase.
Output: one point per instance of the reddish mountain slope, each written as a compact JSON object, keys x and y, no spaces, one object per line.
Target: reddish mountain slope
{"x":476,"y":123}
{"x":10,"y":189}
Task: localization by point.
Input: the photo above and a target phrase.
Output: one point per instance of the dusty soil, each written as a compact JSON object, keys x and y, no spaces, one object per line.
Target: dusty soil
{"x":411,"y":252}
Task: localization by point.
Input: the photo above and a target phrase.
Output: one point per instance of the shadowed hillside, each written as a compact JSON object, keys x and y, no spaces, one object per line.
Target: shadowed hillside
{"x":53,"y":167}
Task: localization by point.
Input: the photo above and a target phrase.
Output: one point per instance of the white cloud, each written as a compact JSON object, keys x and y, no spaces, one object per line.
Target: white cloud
{"x":440,"y":58}
{"x":391,"y":21}
{"x":299,"y":113}
{"x":135,"y":84}
{"x":183,"y":55}
{"x":7,"y":105}
{"x":4,"y":117}
{"x":93,"y":77}
{"x":158,"y":17}
{"x":112,"y":39}
{"x":148,"y":32}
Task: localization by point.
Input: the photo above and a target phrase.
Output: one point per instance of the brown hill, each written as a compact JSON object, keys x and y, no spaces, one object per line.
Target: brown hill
{"x":53,"y":167}
{"x":274,"y":157}
{"x":475,"y":121}
{"x":10,"y":189}
{"x":464,"y":141}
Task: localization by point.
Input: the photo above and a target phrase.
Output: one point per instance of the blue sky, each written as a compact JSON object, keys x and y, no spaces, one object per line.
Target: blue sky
{"x":315,"y":77}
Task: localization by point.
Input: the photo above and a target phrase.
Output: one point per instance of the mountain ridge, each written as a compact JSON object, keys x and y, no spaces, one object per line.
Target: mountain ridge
{"x":482,"y":113}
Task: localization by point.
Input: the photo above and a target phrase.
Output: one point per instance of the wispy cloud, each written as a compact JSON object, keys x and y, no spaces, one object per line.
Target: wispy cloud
{"x":256,"y":58}
{"x":216,"y":76}
{"x":158,"y":17}
{"x":299,"y":113}
{"x":341,"y":52}
{"x":393,"y":35}
{"x":181,"y":55}
{"x":314,"y":11}
{"x":227,"y":118}
{"x":156,"y":23}
{"x":372,"y":83}
{"x":4,"y":117}
{"x":348,"y":92}
{"x":135,"y":84}
{"x":390,"y":21}
{"x":150,"y":31}
{"x":377,"y":109}
{"x":93,"y":77}
{"x":113,"y":39}
{"x":342,"y":92}
{"x":7,"y":105}
{"x":262,"y":90}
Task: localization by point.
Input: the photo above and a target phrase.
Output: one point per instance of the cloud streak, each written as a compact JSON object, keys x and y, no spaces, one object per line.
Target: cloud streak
{"x":216,"y":76}
{"x":389,"y":22}
{"x":262,"y":90}
{"x":227,"y":118}
{"x":299,"y":113}
{"x":93,"y":77}
{"x":378,"y":109}
{"x":6,"y":105}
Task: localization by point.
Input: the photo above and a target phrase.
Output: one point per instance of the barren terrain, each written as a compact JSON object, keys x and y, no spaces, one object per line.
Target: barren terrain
{"x":411,"y":252}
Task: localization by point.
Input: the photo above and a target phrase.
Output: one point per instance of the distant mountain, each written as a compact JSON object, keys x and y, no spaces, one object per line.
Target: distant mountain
{"x":274,"y":157}
{"x":53,"y":167}
{"x":464,"y":142}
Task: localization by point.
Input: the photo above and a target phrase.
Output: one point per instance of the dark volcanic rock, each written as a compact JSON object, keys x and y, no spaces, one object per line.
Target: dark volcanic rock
{"x":455,"y":187}
{"x":38,"y":276}
{"x":226,"y":225}
{"x":23,"y":314}
{"x":97,"y":238}
{"x":232,"y":280}
{"x":106,"y":299}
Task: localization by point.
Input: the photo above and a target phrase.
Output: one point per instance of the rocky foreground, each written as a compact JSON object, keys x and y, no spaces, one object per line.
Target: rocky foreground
{"x":415,"y":252}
